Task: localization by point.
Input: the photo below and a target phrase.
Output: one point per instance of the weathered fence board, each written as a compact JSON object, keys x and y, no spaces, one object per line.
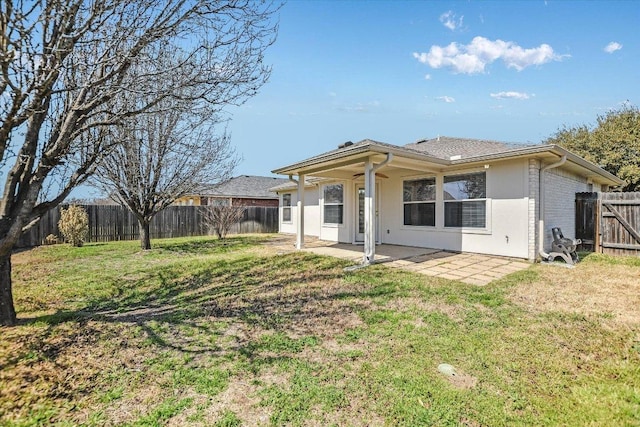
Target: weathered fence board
{"x":612,"y":220}
{"x":110,"y":223}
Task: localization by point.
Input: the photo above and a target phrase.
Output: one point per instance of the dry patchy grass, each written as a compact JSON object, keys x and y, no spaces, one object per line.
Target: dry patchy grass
{"x":206,"y":333}
{"x":591,"y":288}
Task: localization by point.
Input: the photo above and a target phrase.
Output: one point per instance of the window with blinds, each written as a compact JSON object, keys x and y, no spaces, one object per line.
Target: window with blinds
{"x":419,"y":200}
{"x":286,"y":207}
{"x":333,"y":204}
{"x":465,"y":203}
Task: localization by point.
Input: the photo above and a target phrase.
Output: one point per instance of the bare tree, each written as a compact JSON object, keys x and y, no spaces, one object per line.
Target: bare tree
{"x":160,"y":158}
{"x":221,"y":218}
{"x":66,"y":64}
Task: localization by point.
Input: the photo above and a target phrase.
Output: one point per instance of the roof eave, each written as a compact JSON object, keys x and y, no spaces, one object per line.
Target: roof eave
{"x":606,"y":177}
{"x":610,"y":178}
{"x":356,"y":153}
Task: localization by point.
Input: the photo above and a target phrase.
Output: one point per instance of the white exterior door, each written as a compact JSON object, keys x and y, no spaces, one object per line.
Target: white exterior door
{"x":359,"y":235}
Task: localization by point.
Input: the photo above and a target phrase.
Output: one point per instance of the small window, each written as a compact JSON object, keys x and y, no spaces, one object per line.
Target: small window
{"x":465,"y":202}
{"x":286,"y":207}
{"x":333,"y":203}
{"x":419,"y":199}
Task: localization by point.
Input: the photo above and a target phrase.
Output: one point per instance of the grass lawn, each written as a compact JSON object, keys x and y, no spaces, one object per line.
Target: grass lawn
{"x":204,"y":332}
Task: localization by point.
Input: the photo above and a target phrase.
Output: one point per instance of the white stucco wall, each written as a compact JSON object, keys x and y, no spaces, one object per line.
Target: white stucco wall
{"x":506,"y":231}
{"x":311,"y":213}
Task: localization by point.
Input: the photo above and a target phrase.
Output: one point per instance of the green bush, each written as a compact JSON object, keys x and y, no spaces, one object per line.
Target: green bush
{"x":74,"y":224}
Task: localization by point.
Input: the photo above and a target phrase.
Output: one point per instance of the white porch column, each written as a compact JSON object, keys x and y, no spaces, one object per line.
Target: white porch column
{"x":300,"y":221}
{"x":370,"y":204}
{"x":369,"y":213}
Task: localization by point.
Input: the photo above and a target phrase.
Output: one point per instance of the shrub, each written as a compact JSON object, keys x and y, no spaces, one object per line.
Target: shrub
{"x":221,"y":218}
{"x":74,"y":224}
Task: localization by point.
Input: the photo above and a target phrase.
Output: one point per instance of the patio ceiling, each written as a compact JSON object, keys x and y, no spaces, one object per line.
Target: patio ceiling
{"x":354,"y":168}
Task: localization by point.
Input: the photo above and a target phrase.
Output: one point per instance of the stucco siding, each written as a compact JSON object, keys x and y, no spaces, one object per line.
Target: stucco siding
{"x":311,"y":213}
{"x":506,"y":231}
{"x":337,"y":232}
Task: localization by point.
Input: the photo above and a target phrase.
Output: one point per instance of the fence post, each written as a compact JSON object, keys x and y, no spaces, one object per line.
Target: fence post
{"x":597,"y":238}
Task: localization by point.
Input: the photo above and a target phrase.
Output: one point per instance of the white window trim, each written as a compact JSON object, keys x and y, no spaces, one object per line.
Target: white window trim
{"x":487,"y":214}
{"x":439,"y":227}
{"x":343,"y":204}
{"x":290,"y":207}
{"x":434,"y":202}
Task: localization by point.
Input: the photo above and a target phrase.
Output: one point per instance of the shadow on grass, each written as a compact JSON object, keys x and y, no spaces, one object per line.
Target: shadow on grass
{"x":273,"y":293}
{"x":210,"y":245}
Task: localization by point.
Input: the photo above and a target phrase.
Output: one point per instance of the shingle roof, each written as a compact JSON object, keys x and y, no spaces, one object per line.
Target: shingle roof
{"x":245,"y":186}
{"x":444,"y":152}
{"x":445,"y":147}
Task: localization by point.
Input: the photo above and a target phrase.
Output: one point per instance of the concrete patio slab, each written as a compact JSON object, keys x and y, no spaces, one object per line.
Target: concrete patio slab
{"x":474,"y":269}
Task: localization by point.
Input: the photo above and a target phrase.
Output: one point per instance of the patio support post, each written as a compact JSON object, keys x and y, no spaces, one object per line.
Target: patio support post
{"x":369,"y":215}
{"x":300,"y":221}
{"x":370,"y":206}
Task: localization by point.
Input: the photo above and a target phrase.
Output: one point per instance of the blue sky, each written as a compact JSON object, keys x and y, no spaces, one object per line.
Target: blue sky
{"x":397,"y":71}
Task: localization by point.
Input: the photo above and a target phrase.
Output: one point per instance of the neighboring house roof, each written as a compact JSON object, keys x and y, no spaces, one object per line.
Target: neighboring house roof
{"x":244,"y":186}
{"x":444,"y":153}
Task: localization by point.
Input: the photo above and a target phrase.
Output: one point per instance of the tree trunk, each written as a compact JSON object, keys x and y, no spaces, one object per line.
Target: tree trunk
{"x":145,"y":235}
{"x":7,"y":311}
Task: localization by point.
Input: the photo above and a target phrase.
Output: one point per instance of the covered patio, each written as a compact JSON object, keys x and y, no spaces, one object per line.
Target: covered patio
{"x":361,"y":163}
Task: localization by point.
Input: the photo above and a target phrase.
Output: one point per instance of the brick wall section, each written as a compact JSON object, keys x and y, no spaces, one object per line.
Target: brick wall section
{"x":561,"y":187}
{"x":256,"y":202}
{"x":534,"y":176}
{"x":239,"y":201}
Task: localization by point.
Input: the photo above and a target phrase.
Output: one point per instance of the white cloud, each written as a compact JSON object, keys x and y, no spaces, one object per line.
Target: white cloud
{"x":450,"y":20}
{"x":474,"y":57}
{"x":511,"y":95}
{"x":447,"y":99}
{"x":612,"y":47}
{"x":427,"y":77}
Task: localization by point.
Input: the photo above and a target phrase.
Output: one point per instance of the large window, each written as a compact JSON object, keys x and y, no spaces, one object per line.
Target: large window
{"x":465,"y":202}
{"x":419,"y":199}
{"x":286,"y":207}
{"x":333,"y":203}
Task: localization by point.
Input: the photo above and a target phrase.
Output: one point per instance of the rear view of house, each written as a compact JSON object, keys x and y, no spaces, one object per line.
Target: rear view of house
{"x":448,"y":193}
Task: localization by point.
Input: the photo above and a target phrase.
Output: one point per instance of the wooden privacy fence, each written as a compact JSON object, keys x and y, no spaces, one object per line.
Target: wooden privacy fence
{"x":609,"y":222}
{"x":110,"y":223}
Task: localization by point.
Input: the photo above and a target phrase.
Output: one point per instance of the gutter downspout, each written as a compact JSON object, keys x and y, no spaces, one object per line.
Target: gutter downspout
{"x":541,"y":251}
{"x":383,"y":163}
{"x":369,"y":208}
